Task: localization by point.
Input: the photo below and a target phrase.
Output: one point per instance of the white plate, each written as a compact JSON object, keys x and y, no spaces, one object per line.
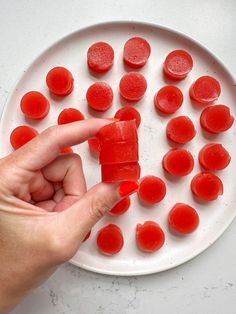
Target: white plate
{"x":215,"y":216}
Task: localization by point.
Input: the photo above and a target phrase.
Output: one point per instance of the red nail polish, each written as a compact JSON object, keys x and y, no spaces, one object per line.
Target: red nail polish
{"x":128,"y":187}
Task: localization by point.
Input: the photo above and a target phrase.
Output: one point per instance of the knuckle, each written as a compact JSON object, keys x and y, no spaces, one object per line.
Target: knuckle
{"x":59,"y":250}
{"x":51,"y":131}
{"x":76,"y":159}
{"x":99,"y":206}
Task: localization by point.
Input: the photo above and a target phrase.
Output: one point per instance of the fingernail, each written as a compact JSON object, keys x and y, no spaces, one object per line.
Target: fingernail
{"x":128,"y":187}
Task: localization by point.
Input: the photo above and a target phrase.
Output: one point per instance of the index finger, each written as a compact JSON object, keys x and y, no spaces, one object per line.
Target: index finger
{"x":44,"y":148}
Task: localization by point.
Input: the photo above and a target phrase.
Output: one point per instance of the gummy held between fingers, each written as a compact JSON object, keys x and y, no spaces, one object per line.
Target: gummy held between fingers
{"x":119,"y":151}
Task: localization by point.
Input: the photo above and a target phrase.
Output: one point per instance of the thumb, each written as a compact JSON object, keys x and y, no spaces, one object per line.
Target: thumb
{"x":85,"y":213}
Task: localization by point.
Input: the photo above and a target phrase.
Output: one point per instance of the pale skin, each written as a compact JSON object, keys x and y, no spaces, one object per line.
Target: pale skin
{"x":45,"y":208}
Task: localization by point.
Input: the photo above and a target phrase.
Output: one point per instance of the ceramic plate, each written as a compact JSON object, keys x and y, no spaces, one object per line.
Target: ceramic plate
{"x":215,"y":216}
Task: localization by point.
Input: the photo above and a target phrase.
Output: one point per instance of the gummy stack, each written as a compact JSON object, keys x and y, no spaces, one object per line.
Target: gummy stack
{"x":119,"y":152}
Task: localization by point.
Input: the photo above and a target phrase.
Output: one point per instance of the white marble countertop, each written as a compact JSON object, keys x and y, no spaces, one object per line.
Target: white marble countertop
{"x":207,"y":284}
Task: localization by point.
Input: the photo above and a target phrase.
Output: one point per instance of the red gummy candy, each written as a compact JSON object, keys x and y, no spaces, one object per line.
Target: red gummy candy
{"x":178,"y":162}
{"x":94,"y":146}
{"x":149,"y":236}
{"x":69,"y":115}
{"x":177,"y":65}
{"x":183,"y":218}
{"x":206,"y":186}
{"x":99,"y":96}
{"x":110,"y":240}
{"x":66,"y":150}
{"x":205,"y":90}
{"x":34,"y":105}
{"x":180,"y":130}
{"x":168,"y":99}
{"x":120,"y":172}
{"x":119,"y":152}
{"x":128,"y":113}
{"x":133,"y":86}
{"x":152,"y":190}
{"x":87,"y":236}
{"x":121,"y":207}
{"x":60,"y":81}
{"x":118,"y":132}
{"x":136,"y":52}
{"x":216,"y":119}
{"x":214,"y":156}
{"x":100,"y":57}
{"x":21,"y":135}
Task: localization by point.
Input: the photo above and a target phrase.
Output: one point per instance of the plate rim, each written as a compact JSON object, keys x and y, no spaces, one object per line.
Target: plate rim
{"x":130,"y":23}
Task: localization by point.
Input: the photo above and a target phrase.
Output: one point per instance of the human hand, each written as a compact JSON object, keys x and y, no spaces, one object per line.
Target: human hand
{"x":45,"y":209}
